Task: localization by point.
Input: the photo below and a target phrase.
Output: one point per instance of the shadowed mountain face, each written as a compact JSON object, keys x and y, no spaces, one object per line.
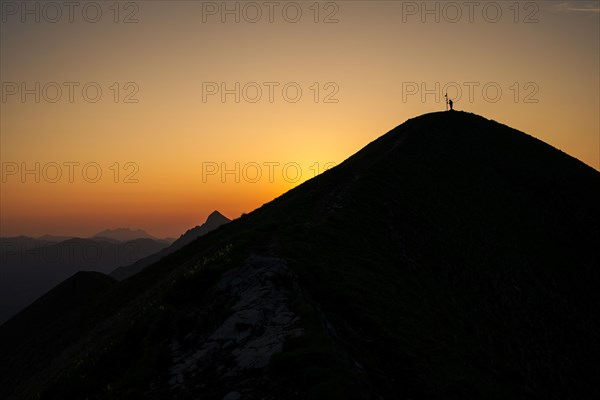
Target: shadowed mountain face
{"x":30,"y":267}
{"x":71,"y":294}
{"x":214,"y":220}
{"x":452,"y":258}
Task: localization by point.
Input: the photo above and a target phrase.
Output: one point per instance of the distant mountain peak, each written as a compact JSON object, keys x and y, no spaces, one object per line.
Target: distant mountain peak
{"x":216,"y":217}
{"x":124,"y":234}
{"x":214,"y":220}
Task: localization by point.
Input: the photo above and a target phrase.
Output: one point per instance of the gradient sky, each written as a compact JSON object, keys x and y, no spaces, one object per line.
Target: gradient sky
{"x":370,"y":61}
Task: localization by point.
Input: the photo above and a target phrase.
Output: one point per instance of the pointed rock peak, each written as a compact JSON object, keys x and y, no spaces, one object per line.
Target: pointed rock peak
{"x":216,"y":217}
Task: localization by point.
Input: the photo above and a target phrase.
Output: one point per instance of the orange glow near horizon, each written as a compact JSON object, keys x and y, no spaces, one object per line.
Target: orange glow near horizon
{"x":162,"y":131}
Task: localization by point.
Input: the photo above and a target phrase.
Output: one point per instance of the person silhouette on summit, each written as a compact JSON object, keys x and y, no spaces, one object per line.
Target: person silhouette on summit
{"x":450,"y":102}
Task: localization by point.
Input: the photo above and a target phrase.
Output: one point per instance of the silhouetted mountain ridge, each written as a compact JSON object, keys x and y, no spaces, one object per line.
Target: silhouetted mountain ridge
{"x":451,"y":258}
{"x":53,"y":238}
{"x":125,"y":234}
{"x":72,"y":293}
{"x":30,"y":267}
{"x":214,"y":220}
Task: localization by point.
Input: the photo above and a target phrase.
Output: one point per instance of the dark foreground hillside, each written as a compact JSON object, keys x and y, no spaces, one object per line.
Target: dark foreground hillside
{"x":31,"y":267}
{"x":452,"y":258}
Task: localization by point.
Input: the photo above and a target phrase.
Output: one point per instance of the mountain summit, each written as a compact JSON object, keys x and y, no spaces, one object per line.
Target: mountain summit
{"x":214,"y":220}
{"x":451,"y":258}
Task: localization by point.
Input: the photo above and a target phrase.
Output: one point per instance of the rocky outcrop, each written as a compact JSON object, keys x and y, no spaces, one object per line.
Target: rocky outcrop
{"x":260,"y":322}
